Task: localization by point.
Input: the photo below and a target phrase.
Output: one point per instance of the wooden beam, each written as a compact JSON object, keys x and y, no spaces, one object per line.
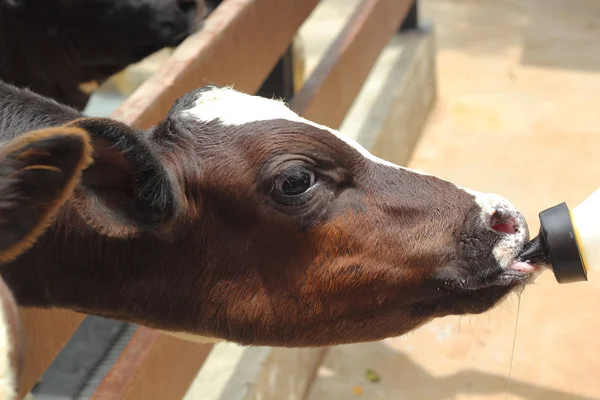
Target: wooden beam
{"x":153,"y":366}
{"x":46,"y":332}
{"x":331,"y":89}
{"x":239,"y":44}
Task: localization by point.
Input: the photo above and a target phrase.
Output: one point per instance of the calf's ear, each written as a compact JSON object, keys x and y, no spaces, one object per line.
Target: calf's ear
{"x":38,"y":173}
{"x":127,"y":190}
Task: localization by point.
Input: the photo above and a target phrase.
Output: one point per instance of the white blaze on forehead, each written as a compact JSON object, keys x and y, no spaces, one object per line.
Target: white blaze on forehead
{"x":232,"y":108}
{"x":236,"y":108}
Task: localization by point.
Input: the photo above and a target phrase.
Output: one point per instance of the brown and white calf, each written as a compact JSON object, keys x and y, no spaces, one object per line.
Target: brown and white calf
{"x":38,"y":172}
{"x":235,"y":219}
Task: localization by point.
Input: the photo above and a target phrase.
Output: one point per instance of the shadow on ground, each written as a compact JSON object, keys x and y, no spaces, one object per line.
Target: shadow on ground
{"x":402,"y":378}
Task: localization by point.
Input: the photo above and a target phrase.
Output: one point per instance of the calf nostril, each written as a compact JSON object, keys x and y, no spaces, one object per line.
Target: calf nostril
{"x":187,"y":5}
{"x":504,"y":222}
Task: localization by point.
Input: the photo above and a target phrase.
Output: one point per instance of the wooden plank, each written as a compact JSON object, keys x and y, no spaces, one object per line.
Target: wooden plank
{"x":153,"y":366}
{"x":46,"y":332}
{"x":239,"y":44}
{"x":74,"y":366}
{"x":331,"y":89}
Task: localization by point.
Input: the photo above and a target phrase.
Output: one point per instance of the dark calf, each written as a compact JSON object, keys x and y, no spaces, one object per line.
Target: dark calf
{"x":236,"y":219}
{"x":38,"y":172}
{"x":54,"y":46}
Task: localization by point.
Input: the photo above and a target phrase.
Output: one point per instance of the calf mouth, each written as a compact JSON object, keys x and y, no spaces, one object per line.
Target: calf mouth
{"x":520,"y":272}
{"x":502,"y":268}
{"x":516,"y":274}
{"x":480,"y":293}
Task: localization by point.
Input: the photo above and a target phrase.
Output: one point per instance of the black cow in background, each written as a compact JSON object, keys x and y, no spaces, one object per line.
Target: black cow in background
{"x":211,"y":5}
{"x":55,"y":46}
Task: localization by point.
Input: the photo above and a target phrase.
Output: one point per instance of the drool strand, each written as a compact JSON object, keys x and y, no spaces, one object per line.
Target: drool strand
{"x":512,"y":356}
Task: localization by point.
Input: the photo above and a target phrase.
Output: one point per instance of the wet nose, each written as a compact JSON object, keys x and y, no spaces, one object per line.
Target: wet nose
{"x":504,"y":218}
{"x":504,"y":221}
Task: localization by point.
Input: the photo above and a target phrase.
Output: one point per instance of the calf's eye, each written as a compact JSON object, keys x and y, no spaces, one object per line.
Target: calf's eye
{"x":294,"y":182}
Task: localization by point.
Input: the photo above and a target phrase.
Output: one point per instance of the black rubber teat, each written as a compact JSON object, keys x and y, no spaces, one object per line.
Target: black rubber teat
{"x":535,"y":252}
{"x":557,"y":245}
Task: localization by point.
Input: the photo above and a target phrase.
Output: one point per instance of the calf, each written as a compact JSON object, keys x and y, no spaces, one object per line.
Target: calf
{"x":55,"y":46}
{"x":236,"y":219}
{"x":38,"y":172}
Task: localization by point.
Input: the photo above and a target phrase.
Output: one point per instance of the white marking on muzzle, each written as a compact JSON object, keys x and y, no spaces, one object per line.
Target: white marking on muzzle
{"x":507,"y":249}
{"x":231,"y":107}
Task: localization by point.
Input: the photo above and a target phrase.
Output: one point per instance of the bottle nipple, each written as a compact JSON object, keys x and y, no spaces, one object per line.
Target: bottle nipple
{"x":569,"y":241}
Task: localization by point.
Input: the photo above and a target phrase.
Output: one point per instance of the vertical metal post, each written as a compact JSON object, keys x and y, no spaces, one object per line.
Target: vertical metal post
{"x":411,"y":22}
{"x":280,"y":82}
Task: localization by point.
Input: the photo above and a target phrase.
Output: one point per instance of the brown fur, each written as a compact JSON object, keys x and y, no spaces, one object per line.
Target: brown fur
{"x":181,"y":228}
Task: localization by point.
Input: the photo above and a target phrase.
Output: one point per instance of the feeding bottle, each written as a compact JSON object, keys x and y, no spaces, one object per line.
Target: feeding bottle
{"x":569,"y":240}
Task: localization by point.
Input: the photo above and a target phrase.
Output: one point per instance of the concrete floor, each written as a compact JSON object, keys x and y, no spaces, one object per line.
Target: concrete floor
{"x":518,"y":114}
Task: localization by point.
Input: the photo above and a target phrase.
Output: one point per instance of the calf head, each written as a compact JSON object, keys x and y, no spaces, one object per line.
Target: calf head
{"x":236,"y":219}
{"x":54,"y":46}
{"x":38,"y":172}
